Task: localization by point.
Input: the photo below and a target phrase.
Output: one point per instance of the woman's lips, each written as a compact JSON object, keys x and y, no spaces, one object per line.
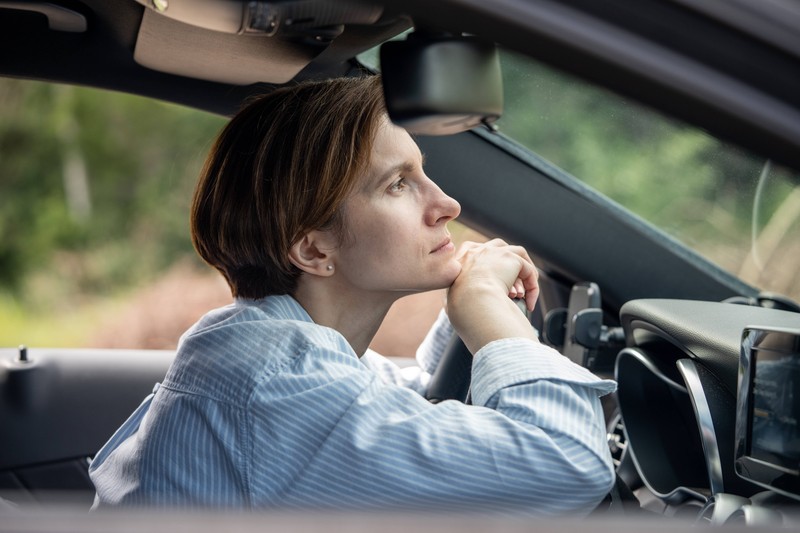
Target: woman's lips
{"x":445,"y":246}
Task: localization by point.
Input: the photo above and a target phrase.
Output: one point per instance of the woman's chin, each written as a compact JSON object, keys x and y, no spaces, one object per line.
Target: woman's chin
{"x":450,"y":274}
{"x":431,"y":281}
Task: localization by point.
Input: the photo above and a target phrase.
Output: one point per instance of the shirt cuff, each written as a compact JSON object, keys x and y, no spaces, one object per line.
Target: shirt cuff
{"x":507,"y":362}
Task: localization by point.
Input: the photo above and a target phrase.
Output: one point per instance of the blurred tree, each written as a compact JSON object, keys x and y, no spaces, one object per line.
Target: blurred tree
{"x":95,"y":179}
{"x":675,"y":176}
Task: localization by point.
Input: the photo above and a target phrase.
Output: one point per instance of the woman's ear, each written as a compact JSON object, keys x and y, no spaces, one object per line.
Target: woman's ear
{"x":314,"y":253}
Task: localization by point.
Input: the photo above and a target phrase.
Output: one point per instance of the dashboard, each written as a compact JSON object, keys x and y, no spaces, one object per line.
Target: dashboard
{"x":680,"y":378}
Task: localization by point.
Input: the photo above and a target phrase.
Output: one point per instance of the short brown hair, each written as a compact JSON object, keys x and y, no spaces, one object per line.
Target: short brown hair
{"x":281,"y":167}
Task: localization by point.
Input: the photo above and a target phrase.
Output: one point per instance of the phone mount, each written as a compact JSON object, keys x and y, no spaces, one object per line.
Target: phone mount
{"x":578,"y":331}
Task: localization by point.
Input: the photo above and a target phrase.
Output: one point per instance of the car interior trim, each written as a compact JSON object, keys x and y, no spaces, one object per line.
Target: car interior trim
{"x":657,"y":372}
{"x":56,"y":388}
{"x":719,"y":508}
{"x":59,"y":18}
{"x":657,"y":415}
{"x":708,"y":435}
{"x":707,"y":331}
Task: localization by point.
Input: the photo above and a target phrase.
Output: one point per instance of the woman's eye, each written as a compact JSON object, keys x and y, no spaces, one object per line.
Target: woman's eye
{"x":398,"y":185}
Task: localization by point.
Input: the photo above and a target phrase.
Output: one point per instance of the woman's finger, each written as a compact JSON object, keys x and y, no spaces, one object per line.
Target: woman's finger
{"x":529,"y":277}
{"x":518,"y":289}
{"x":531,"y":284}
{"x":517,"y":270}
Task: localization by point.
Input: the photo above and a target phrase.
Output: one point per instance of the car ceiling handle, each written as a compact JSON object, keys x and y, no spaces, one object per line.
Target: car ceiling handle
{"x":59,"y":18}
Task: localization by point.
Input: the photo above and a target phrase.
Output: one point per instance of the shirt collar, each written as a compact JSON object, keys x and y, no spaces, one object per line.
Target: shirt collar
{"x":282,"y":306}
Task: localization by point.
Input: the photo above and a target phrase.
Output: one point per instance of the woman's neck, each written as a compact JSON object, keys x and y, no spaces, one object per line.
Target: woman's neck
{"x":357,"y":316}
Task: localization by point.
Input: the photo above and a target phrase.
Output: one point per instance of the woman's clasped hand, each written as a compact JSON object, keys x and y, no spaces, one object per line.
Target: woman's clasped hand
{"x":479,"y":302}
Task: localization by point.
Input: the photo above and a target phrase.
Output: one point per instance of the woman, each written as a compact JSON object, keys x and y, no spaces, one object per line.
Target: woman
{"x":318,"y":213}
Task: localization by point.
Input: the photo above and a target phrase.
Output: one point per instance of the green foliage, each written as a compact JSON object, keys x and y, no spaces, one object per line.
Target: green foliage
{"x":695,"y":187}
{"x":138,"y":160}
{"x":677,"y":177}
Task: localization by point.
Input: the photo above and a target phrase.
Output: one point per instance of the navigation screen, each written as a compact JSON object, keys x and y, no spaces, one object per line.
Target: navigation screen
{"x":775,"y":433}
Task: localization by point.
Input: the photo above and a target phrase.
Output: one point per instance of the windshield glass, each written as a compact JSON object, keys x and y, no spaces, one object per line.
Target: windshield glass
{"x":738,"y":210}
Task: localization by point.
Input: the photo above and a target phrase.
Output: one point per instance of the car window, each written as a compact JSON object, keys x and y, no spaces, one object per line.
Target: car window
{"x":95,"y":248}
{"x":738,"y":210}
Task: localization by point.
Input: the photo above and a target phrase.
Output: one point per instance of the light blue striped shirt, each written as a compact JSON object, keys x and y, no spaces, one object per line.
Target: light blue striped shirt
{"x":262,"y":408}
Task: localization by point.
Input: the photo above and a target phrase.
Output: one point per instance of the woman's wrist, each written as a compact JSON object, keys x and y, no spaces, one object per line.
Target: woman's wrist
{"x":482,"y":314}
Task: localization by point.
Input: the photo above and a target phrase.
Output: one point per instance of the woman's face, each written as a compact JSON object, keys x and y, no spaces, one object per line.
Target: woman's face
{"x":396,"y":223}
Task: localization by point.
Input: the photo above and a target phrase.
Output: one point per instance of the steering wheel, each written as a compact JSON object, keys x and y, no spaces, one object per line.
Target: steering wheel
{"x":451,"y":379}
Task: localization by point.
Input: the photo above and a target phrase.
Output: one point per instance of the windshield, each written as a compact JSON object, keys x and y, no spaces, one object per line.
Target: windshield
{"x":739,"y":211}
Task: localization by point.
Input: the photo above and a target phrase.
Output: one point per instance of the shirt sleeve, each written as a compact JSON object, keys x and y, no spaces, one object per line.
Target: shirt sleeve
{"x":534,"y":441}
{"x":415,"y":377}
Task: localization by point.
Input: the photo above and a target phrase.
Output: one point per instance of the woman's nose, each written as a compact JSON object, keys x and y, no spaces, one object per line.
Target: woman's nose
{"x":442,"y":208}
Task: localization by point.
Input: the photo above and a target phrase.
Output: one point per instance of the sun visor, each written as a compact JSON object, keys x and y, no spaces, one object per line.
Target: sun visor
{"x":166,"y":45}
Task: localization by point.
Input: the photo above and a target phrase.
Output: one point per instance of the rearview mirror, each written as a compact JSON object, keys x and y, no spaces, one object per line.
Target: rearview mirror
{"x":438,"y":84}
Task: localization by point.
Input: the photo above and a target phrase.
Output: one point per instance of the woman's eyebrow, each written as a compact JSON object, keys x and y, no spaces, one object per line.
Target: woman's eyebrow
{"x":407,"y":166}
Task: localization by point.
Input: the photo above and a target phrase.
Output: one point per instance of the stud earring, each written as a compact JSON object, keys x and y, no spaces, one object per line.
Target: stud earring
{"x":329,"y":267}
